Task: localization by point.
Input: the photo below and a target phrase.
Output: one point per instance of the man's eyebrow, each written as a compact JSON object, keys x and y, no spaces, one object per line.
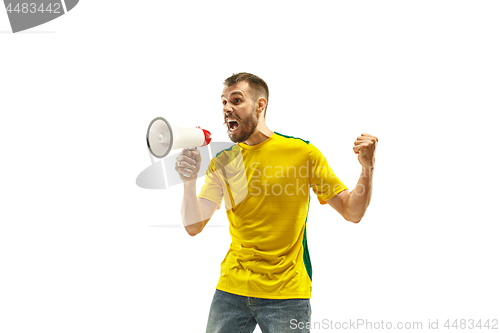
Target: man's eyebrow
{"x":233,"y":93}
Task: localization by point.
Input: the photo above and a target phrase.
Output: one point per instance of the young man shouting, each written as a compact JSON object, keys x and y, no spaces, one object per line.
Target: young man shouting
{"x":265,"y":181}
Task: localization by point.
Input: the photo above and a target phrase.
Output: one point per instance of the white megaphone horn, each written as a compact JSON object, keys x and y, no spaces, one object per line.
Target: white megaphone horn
{"x":163,"y":137}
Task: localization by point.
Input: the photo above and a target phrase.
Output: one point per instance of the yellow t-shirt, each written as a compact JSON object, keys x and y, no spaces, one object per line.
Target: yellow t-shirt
{"x":266,"y":192}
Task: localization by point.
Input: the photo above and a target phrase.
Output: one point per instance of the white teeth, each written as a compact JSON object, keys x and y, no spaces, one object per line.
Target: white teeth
{"x":232,"y":129}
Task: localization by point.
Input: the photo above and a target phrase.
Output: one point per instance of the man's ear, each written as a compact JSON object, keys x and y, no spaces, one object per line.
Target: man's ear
{"x":262,"y":103}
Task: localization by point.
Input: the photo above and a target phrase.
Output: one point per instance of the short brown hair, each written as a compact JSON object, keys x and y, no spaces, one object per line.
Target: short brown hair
{"x":255,"y":82}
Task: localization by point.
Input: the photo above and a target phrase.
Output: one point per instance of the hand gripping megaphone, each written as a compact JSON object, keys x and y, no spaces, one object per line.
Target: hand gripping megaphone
{"x":163,"y":137}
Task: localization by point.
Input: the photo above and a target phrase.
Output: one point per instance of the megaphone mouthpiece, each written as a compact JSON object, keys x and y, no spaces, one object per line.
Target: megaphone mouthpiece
{"x":208,"y":137}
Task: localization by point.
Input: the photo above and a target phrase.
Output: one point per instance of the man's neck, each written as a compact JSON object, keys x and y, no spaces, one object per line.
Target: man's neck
{"x":259,"y":136}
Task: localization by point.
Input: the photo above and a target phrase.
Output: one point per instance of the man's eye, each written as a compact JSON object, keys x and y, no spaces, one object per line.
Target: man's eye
{"x":237,"y":100}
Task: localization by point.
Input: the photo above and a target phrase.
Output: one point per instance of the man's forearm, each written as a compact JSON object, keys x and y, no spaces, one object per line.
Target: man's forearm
{"x":359,"y":198}
{"x":190,"y":208}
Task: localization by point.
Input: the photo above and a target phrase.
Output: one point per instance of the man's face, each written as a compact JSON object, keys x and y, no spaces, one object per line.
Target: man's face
{"x":239,"y":110}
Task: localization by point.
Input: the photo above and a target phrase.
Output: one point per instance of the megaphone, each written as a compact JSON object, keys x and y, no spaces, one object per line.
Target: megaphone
{"x":163,"y":137}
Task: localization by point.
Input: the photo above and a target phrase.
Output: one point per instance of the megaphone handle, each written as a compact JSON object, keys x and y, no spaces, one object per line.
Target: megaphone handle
{"x":195,"y":148}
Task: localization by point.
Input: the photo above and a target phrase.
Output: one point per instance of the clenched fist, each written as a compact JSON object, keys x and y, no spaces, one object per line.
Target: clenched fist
{"x":365,"y":146}
{"x":188,"y":164}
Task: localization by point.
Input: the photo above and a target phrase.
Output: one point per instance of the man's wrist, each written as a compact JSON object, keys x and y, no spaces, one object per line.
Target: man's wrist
{"x":190,"y":185}
{"x":367,"y":170}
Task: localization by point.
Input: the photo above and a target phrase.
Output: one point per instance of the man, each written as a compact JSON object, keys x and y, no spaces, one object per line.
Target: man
{"x":264,"y":180}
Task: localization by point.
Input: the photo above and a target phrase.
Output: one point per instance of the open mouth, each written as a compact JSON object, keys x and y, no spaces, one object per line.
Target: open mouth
{"x":233,"y":125}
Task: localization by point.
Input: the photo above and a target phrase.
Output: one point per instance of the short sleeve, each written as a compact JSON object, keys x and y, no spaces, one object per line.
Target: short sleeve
{"x":212,"y":188}
{"x":322,"y":179}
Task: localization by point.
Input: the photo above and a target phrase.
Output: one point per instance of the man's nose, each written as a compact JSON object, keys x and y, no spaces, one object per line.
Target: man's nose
{"x":227,"y":108}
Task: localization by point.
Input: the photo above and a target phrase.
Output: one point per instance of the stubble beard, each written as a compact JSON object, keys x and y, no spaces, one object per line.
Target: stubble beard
{"x":246,"y":129}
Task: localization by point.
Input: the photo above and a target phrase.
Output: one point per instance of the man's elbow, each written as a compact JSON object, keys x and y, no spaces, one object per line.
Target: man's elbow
{"x":352,"y":218}
{"x":195,"y":228}
{"x":191,"y":232}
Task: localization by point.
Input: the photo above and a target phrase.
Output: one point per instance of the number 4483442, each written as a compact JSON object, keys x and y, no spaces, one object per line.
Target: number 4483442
{"x":471,"y":323}
{"x":34,"y":8}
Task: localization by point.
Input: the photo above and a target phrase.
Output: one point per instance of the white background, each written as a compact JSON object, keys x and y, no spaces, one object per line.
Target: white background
{"x":83,"y":249}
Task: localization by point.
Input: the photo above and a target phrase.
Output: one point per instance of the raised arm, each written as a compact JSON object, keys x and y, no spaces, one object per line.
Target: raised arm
{"x":195,"y":212}
{"x":352,"y":205}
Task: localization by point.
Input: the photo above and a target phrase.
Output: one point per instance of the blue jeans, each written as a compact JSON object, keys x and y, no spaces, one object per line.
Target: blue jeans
{"x":230,"y":313}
